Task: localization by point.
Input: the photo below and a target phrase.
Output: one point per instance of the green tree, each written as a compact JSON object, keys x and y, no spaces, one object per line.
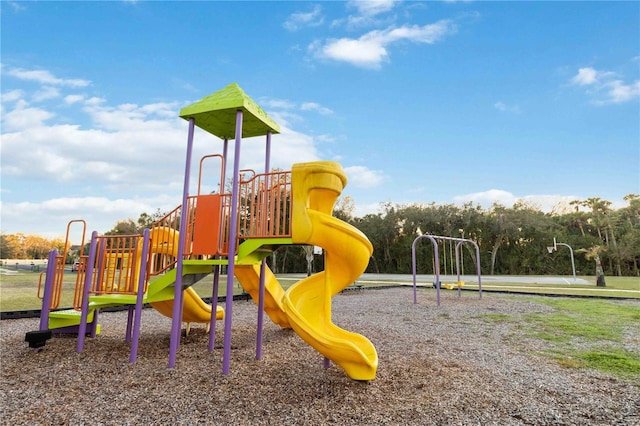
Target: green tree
{"x":600,"y":210}
{"x":593,"y":253}
{"x":8,"y":247}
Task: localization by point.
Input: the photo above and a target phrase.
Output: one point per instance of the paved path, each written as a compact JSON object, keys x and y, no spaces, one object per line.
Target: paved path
{"x":524,"y":279}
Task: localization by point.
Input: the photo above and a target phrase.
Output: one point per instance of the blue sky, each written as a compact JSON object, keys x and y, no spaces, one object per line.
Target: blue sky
{"x":421,"y":102}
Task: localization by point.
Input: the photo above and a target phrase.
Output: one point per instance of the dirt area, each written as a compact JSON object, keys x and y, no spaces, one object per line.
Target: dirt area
{"x":444,"y":365}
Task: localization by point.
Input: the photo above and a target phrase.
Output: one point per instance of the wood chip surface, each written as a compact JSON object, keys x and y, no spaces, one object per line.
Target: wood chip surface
{"x":447,"y":365}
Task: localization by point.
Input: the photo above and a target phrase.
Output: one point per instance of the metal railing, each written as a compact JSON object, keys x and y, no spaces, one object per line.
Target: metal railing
{"x":264,"y":212}
{"x":265,"y":206}
{"x":118,"y":260}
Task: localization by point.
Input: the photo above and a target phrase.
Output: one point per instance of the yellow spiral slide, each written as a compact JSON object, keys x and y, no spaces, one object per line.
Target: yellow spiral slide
{"x":316,"y":186}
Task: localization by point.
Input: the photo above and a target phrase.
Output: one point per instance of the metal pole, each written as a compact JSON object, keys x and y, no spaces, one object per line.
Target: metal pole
{"x":52,"y":266}
{"x":142,"y":279}
{"x":176,"y":322}
{"x":216,"y":268}
{"x":82,"y":328}
{"x":573,"y":263}
{"x":233,"y":234}
{"x":263,"y":265}
{"x":436,"y":266}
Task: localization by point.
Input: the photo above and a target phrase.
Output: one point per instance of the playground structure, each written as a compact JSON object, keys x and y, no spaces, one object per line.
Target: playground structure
{"x":238,"y":230}
{"x":436,"y":264}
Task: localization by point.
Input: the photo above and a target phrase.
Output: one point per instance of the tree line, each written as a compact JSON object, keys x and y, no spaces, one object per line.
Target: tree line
{"x":512,"y":241}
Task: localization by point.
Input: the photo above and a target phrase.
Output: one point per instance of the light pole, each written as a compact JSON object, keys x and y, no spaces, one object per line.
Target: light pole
{"x":554,"y":247}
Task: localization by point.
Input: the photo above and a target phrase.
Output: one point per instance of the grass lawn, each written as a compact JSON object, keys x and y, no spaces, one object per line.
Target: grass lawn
{"x":18,"y":290}
{"x":584,"y":333}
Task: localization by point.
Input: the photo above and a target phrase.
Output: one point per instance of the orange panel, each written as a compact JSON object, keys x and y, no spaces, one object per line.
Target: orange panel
{"x":207,"y":225}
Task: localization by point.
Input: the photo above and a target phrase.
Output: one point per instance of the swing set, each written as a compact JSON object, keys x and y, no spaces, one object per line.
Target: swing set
{"x":436,"y":263}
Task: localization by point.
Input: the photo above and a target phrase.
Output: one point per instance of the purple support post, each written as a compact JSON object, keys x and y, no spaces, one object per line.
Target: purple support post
{"x":94,"y":325}
{"x":233,"y":234}
{"x":52,"y":265}
{"x":129,"y":331}
{"x":82,"y":328}
{"x":263,"y":265}
{"x":478,"y":269}
{"x":437,"y":268}
{"x":458,"y":264}
{"x":263,"y":270}
{"x":214,"y":307}
{"x":142,"y":278}
{"x":216,"y":268}
{"x":176,"y":322}
{"x":225,"y":150}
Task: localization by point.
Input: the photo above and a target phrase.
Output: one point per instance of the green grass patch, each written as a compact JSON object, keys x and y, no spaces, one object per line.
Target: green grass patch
{"x":621,"y":283}
{"x":609,"y":359}
{"x":582,"y":333}
{"x":588,"y":333}
{"x":591,"y":320}
{"x":612,"y":360}
{"x":19,"y":291}
{"x":563,"y":327}
{"x":608,"y":312}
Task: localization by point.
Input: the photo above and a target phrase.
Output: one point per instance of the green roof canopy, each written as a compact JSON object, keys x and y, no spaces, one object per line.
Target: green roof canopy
{"x":216,"y":114}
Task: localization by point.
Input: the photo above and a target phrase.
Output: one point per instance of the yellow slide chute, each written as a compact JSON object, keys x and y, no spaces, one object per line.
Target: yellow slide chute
{"x":249,"y":278}
{"x":165,"y":241}
{"x":316,"y":186}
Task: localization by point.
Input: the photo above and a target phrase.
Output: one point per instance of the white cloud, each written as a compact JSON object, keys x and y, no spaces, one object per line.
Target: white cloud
{"x":45,"y":93}
{"x":130,"y":116}
{"x":23,"y":116}
{"x":361,"y":210}
{"x":277,"y":103}
{"x":94,"y":101}
{"x":131,"y":157}
{"x":72,"y":99}
{"x":298,"y":20}
{"x":324,"y":138}
{"x":363,"y":177}
{"x":371,"y":49}
{"x":17,"y":6}
{"x":604,"y":87}
{"x":501,"y":106}
{"x":543,"y":202}
{"x":12,"y":96}
{"x":368,"y":12}
{"x":486,"y":198}
{"x":103,"y":162}
{"x":372,"y":8}
{"x":362,"y":53}
{"x":44,"y":77}
{"x":585,"y":76}
{"x":313,"y":106}
{"x":618,"y":92}
{"x":100,"y":213}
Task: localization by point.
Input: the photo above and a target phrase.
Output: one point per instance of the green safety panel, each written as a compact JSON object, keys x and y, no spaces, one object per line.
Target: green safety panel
{"x":216,"y":114}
